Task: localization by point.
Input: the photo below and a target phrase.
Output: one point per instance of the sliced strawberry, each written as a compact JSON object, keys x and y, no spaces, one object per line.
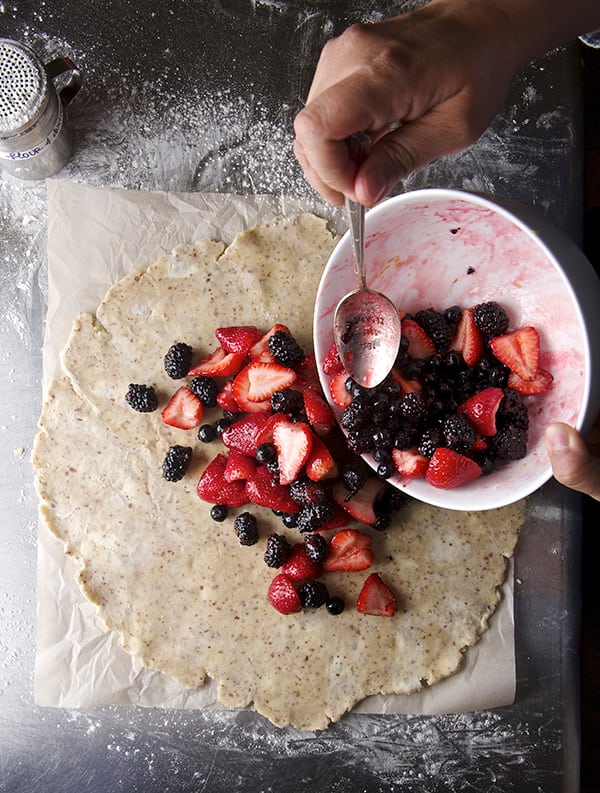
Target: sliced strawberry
{"x":481,"y":409}
{"x":519,"y":350}
{"x":264,"y":492}
{"x":319,"y":414}
{"x":337,"y":389}
{"x":293,"y":441}
{"x":225,"y":398}
{"x":332,"y":363}
{"x":260,"y":350}
{"x":184,"y":410}
{"x":320,"y":463}
{"x":480,"y":445}
{"x":361,"y":504}
{"x":246,"y":434}
{"x":420,"y":344}
{"x":299,"y":566}
{"x":219,"y":364}
{"x":349,"y":550}
{"x":256,"y":383}
{"x":282,"y":595}
{"x":376,"y":598}
{"x":214,"y":488}
{"x":238,"y":338}
{"x":239,"y":466}
{"x":410,"y":462}
{"x":468,"y":339}
{"x":239,"y":389}
{"x":448,"y":469}
{"x":540,"y":383}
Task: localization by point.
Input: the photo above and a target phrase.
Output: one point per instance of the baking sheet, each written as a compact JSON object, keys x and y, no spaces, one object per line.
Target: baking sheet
{"x":95,"y":236}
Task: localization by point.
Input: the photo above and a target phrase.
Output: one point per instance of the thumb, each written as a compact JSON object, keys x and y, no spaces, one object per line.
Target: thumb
{"x":572,"y":463}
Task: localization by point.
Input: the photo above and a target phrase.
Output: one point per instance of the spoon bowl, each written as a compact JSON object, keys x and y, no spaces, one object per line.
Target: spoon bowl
{"x":367,"y":332}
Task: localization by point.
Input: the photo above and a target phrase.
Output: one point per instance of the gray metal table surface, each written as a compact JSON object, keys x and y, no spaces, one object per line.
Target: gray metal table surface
{"x":200,"y":96}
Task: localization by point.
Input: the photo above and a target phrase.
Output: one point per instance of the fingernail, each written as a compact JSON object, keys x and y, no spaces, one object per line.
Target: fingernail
{"x":557,"y":437}
{"x":378,"y":189}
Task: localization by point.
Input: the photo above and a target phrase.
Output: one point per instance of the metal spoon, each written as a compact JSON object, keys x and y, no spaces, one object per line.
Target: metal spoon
{"x":367,"y":325}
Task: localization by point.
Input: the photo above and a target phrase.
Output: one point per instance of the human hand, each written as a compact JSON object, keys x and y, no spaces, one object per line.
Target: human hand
{"x":575,"y":464}
{"x":441,"y":72}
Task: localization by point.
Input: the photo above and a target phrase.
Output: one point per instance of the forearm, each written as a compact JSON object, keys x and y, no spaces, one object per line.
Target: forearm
{"x":530,"y":28}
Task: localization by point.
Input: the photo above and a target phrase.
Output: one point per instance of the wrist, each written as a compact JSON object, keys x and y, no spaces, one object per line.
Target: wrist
{"x":527,"y":29}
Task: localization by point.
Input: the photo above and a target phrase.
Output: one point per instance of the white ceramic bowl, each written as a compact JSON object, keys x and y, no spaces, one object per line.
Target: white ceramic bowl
{"x":437,"y":248}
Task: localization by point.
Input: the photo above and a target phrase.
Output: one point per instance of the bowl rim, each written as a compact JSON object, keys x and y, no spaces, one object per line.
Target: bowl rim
{"x":507,"y":208}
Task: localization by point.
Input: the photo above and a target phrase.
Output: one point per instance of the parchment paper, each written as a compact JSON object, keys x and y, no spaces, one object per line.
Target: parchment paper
{"x":95,"y":236}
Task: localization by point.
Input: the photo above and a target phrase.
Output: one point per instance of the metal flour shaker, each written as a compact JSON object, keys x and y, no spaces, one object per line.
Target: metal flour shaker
{"x":35,"y":142}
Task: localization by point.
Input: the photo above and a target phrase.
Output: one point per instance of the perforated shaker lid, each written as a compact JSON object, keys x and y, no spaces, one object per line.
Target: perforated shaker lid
{"x":23,"y":82}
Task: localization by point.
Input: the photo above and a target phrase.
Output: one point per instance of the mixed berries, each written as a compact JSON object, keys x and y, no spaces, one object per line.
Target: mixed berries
{"x":453,"y":408}
{"x":283,"y":451}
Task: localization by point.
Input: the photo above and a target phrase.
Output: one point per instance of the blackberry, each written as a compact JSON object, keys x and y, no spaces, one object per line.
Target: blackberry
{"x":314,"y":516}
{"x":178,"y":360}
{"x":353,"y":418}
{"x":509,"y":443}
{"x":435,"y":326}
{"x":207,"y":433}
{"x":266,"y":453}
{"x":284,"y":348}
{"x":246,"y":528}
{"x":176,"y":463}
{"x":316,"y":547}
{"x":287,"y":401}
{"x":219,"y":512}
{"x":335,"y":605}
{"x":206,"y":389}
{"x":512,"y":410}
{"x":277,"y":550}
{"x":306,"y":492}
{"x":412,"y":407}
{"x":491,"y":319}
{"x":141,"y":398}
{"x":429,"y":441}
{"x":313,"y":594}
{"x":458,"y":432}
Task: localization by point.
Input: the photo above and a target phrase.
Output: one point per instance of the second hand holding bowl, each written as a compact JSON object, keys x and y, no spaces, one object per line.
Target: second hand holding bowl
{"x":367,"y":324}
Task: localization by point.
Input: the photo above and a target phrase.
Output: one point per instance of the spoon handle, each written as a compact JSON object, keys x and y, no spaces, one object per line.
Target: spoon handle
{"x":359,"y":146}
{"x":356,"y":220}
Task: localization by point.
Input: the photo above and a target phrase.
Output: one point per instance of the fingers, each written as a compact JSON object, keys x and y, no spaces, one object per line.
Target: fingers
{"x":325,"y":123}
{"x":572,"y":463}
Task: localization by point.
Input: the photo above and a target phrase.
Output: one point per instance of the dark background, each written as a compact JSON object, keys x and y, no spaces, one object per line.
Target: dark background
{"x":590,"y":641}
